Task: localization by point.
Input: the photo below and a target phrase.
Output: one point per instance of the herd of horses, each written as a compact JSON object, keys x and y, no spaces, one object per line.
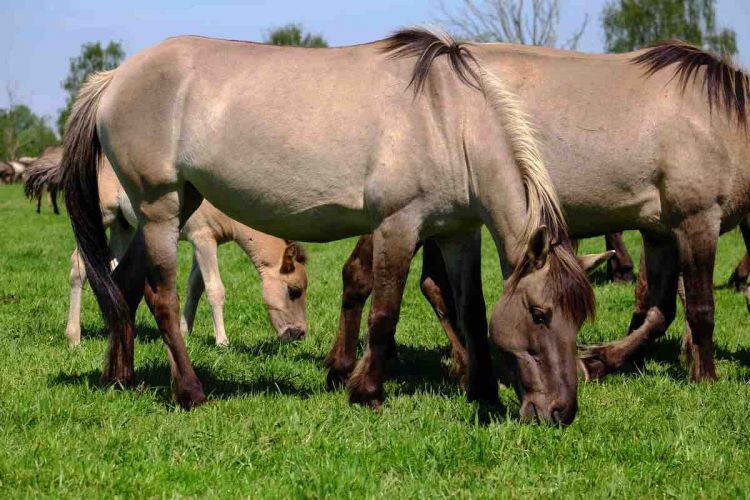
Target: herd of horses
{"x":415,"y":141}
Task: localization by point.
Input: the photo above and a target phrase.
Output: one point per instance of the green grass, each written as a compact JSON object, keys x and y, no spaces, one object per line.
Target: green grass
{"x":272,"y":430}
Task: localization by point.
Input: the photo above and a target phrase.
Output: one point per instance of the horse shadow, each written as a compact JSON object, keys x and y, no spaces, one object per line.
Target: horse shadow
{"x":144,"y":334}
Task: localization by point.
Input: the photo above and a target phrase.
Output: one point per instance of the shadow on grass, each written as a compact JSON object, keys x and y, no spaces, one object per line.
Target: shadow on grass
{"x":158,"y":379}
{"x":144,"y":334}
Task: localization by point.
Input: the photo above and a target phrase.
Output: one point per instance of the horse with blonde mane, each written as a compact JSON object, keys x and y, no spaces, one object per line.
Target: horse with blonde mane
{"x":322,"y":144}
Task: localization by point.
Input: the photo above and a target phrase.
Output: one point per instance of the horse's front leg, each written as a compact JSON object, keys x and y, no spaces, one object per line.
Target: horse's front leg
{"x":462,"y":257}
{"x":357,"y":281}
{"x":698,"y":237}
{"x":393,"y":247}
{"x":662,"y":269}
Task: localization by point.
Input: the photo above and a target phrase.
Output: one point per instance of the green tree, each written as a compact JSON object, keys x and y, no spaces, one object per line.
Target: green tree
{"x":94,"y":57}
{"x":291,"y":34}
{"x":632,"y":24}
{"x":22,"y":133}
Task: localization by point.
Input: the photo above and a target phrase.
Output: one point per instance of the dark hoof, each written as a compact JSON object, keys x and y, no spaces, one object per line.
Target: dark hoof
{"x":623,"y":278}
{"x":291,"y":334}
{"x":190,"y":395}
{"x":483,"y":392}
{"x":366,"y":394}
{"x":336,"y":379}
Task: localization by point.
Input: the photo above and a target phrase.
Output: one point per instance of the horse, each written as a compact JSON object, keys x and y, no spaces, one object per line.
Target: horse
{"x":280,"y":264}
{"x":674,"y":166}
{"x":6,"y":172}
{"x":43,"y":175}
{"x":322,"y":144}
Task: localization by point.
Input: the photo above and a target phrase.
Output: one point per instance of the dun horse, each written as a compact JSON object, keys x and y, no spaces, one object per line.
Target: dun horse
{"x":280,"y":263}
{"x":321,"y":144}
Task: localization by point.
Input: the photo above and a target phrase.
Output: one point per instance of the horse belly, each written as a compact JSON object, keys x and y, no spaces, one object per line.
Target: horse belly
{"x":270,"y":198}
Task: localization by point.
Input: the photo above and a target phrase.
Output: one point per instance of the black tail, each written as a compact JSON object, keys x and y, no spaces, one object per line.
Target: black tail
{"x":80,"y":162}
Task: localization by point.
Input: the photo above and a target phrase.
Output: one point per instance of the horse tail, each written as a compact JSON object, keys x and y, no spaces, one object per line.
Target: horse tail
{"x":80,"y":163}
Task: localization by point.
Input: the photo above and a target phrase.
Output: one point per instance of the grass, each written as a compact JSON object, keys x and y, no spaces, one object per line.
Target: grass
{"x":272,"y":430}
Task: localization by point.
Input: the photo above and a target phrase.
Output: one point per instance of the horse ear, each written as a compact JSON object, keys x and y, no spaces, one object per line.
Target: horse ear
{"x":287,"y":261}
{"x":538,"y":247}
{"x":593,"y":260}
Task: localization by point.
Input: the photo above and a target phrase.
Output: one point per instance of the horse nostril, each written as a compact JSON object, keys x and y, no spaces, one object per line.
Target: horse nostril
{"x":292,"y":333}
{"x":563,"y":415}
{"x":556,"y":416}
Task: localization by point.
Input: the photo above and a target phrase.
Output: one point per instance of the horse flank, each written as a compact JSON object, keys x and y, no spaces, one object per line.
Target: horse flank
{"x":543,"y":207}
{"x":726,"y":86}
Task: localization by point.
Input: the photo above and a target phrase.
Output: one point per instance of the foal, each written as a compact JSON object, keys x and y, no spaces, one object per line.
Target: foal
{"x":280,"y":263}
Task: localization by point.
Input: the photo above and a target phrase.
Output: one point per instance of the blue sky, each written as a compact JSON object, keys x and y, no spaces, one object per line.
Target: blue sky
{"x":37,"y":38}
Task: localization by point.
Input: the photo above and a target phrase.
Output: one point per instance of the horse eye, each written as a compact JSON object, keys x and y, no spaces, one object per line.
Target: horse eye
{"x":538,"y":316}
{"x":295,"y":292}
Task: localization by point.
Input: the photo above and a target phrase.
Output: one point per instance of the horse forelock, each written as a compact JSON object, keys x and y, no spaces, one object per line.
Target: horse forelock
{"x":726,"y":86}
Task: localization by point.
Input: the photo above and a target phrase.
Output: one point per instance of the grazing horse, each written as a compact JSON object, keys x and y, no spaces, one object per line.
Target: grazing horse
{"x":656,"y":141}
{"x":280,"y":263}
{"x":321,"y":144}
{"x":6,"y":172}
{"x":43,"y":175}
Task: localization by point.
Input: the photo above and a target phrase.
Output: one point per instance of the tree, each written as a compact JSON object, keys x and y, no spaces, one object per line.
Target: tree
{"x":93,"y":58}
{"x":632,"y":24}
{"x":22,"y":133}
{"x":513,"y":21}
{"x":291,"y":34}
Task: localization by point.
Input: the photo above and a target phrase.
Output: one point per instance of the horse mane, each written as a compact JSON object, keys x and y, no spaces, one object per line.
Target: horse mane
{"x":44,"y":172}
{"x":726,"y":85}
{"x":542,"y":204}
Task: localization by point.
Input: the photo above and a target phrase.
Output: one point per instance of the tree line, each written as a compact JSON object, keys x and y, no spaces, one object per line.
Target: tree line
{"x":628,"y":25}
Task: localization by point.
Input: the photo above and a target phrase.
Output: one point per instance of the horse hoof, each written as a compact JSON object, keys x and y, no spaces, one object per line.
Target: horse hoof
{"x":365,"y":394}
{"x":222,"y":343}
{"x":190,"y":395}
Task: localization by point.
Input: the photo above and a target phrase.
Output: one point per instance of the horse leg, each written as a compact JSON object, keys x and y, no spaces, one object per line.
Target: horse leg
{"x":662,"y":269}
{"x":195,"y":288}
{"x":208,"y":262}
{"x":436,"y":288}
{"x":462,"y":258}
{"x":357,"y":279}
{"x":739,"y":277}
{"x":129,"y":275}
{"x":619,"y":267}
{"x":39,"y":203}
{"x":641,"y":296}
{"x":697,"y":257}
{"x":160,"y":226}
{"x":393,"y":248}
{"x":53,"y":201}
{"x":77,"y":280}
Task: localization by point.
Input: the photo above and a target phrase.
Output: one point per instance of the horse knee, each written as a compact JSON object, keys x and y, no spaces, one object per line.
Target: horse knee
{"x":701,"y":319}
{"x":382,"y":322}
{"x":357,"y":284}
{"x":215,"y":294}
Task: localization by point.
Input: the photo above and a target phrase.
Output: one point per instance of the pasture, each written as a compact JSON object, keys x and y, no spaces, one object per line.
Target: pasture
{"x":272,"y":430}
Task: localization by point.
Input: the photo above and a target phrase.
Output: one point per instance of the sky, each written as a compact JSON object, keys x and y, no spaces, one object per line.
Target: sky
{"x":38,"y":37}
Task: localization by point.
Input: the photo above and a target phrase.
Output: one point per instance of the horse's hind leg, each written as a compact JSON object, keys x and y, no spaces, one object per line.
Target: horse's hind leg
{"x":436,"y":288}
{"x":697,"y":256}
{"x":129,"y":275}
{"x":160,"y":226}
{"x":357,"y":280}
{"x":620,"y":267}
{"x":77,"y":279}
{"x":661,"y":257}
{"x":393,"y":248}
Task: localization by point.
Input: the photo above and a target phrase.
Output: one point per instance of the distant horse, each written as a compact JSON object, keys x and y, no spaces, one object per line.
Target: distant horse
{"x":322,"y":144}
{"x":43,"y":175}
{"x":6,"y":173}
{"x":280,"y":263}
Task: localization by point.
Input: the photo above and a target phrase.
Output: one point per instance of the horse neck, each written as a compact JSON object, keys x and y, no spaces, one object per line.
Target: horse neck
{"x":497,"y":185}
